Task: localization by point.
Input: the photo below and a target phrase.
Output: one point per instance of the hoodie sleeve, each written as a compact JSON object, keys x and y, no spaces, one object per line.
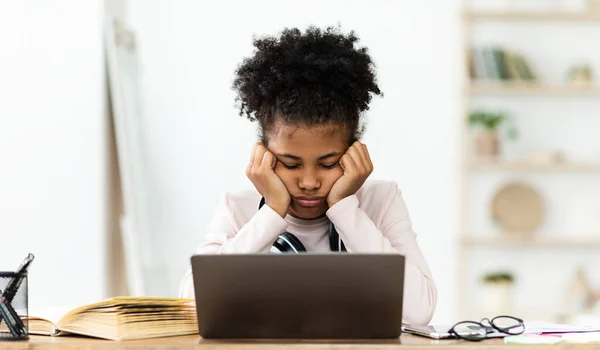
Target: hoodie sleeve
{"x":256,"y":236}
{"x":395,"y":236}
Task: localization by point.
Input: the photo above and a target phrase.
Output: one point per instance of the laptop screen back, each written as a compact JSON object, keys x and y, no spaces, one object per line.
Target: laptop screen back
{"x":310,"y":295}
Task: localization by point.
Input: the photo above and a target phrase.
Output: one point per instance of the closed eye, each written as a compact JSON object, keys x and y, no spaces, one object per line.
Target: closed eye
{"x":330,"y":166}
{"x":290,"y":166}
{"x":326,"y":166}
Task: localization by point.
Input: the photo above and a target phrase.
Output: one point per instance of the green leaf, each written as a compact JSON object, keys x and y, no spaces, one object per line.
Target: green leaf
{"x":487,"y":119}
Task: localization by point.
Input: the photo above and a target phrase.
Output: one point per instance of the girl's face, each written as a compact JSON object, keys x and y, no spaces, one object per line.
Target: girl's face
{"x":308,"y":164}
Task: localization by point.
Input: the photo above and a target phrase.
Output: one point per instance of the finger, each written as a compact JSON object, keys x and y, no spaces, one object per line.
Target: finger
{"x":258,"y":156}
{"x":361,"y":151}
{"x":268,"y":161}
{"x":251,"y":162}
{"x":347,"y":164}
{"x":252,"y":153}
{"x":367,"y":152}
{"x":357,"y":158}
{"x":272,"y":158}
{"x":366,"y":157}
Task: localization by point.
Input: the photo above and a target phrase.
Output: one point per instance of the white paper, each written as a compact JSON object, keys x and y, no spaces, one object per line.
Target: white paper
{"x":546,"y":327}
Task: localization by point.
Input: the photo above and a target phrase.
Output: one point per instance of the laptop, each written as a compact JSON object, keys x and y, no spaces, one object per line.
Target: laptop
{"x":443,"y":332}
{"x":435,"y":331}
{"x":299,"y":296}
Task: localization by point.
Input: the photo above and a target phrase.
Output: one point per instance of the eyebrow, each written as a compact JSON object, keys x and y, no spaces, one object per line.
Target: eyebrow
{"x":291,"y":156}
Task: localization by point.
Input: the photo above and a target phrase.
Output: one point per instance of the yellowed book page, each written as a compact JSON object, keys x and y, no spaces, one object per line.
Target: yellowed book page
{"x":40,"y":326}
{"x":42,"y":321}
{"x":132,"y":318}
{"x":110,"y":305}
{"x":114,"y":328}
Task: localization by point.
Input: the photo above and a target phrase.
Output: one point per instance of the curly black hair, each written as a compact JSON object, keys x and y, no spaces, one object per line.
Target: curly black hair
{"x":308,"y":79}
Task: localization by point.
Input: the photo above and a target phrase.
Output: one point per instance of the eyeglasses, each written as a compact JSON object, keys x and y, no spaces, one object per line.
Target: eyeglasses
{"x":477,"y":331}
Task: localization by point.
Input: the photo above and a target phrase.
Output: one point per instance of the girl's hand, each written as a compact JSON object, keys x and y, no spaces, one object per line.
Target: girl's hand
{"x":268,"y":184}
{"x":357,"y":167}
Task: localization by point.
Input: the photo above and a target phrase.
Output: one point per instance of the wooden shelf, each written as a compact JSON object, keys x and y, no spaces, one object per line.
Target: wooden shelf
{"x":532,"y":89}
{"x":482,"y":166}
{"x":516,"y":241}
{"x":480,"y":91}
{"x":533,"y":16}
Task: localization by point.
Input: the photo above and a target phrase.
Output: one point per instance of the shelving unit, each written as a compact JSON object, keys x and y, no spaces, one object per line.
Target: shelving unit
{"x":516,"y":166}
{"x":471,"y":240}
{"x":513,"y":240}
{"x":532,"y":16}
{"x":529,"y":89}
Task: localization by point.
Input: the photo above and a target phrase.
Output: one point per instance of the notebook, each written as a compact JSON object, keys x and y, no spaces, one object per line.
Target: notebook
{"x":119,"y":318}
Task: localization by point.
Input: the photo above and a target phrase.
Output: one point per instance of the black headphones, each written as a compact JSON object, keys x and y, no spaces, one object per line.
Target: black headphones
{"x":288,"y":243}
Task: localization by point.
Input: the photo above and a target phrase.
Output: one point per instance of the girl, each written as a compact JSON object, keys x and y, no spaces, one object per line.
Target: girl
{"x":308,"y":91}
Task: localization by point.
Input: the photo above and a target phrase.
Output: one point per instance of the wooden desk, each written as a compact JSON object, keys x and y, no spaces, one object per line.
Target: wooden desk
{"x":195,"y":342}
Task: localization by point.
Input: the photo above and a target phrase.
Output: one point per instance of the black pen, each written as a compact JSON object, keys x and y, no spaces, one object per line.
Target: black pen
{"x":15,"y":282}
{"x":13,"y":321}
{"x":10,"y":322}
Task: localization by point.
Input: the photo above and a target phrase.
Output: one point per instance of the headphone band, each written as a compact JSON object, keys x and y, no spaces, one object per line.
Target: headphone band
{"x":287,"y":242}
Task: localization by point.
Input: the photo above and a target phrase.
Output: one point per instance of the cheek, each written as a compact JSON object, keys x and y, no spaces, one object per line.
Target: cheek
{"x":331,"y":176}
{"x":285,"y":175}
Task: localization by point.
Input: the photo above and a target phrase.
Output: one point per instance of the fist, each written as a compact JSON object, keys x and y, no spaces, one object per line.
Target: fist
{"x":267,"y":183}
{"x":357,"y":166}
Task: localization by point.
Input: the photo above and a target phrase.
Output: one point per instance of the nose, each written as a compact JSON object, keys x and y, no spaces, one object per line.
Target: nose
{"x":309,"y":181}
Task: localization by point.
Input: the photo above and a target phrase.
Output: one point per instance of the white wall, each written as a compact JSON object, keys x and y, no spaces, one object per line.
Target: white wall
{"x":198,"y":146}
{"x":52,"y":147}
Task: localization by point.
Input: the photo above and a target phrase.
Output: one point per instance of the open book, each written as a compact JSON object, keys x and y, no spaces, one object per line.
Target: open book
{"x":120,"y":318}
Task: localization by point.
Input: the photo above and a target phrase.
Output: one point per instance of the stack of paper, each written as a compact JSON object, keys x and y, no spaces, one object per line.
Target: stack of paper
{"x":552,"y":333}
{"x":546,"y":327}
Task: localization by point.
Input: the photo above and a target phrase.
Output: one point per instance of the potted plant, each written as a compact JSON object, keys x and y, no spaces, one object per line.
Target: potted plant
{"x":581,"y":75}
{"x":497,"y":292}
{"x":487,"y":140}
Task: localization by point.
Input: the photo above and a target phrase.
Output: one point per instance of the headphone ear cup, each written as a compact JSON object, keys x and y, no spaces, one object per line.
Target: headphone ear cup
{"x":335,"y":243}
{"x":287,"y":243}
{"x":333,"y":238}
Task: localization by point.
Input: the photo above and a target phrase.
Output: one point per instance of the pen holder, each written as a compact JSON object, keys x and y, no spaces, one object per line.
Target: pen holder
{"x":13,"y":306}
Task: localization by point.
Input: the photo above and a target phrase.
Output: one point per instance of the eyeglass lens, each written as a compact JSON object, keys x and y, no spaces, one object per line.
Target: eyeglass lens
{"x":476,"y":331}
{"x":508,"y":324}
{"x":470,"y":330}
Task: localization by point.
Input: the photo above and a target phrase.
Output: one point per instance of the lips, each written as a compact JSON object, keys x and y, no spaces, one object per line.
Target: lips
{"x":309,"y":202}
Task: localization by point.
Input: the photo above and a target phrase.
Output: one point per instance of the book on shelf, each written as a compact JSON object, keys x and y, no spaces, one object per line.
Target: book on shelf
{"x":119,"y":318}
{"x":493,"y":63}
